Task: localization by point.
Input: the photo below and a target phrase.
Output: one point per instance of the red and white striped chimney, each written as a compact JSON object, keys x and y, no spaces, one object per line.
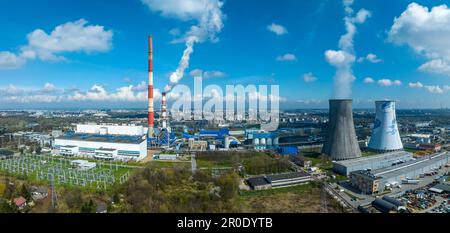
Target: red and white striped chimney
{"x":151,"y":114}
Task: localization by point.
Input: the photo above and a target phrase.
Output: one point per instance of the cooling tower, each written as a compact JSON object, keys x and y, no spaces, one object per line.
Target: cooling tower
{"x":341,"y":142}
{"x":385,"y":135}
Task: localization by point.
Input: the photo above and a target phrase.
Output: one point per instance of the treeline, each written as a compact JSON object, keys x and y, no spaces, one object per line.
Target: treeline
{"x":178,"y":191}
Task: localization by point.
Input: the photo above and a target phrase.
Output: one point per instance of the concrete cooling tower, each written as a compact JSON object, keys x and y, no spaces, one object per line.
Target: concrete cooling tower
{"x":341,"y":142}
{"x":385,"y":135}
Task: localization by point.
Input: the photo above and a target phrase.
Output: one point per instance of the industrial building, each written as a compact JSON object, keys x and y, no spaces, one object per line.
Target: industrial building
{"x":385,"y":135}
{"x":371,"y":162}
{"x":82,"y":165}
{"x":341,"y":142}
{"x":262,"y":140}
{"x":278,"y":180}
{"x":376,"y":181}
{"x":104,"y":147}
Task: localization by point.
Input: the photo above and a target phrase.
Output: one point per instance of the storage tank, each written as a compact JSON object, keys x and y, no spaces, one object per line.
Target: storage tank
{"x":227,"y":143}
{"x":276,"y":141}
{"x":263,"y":141}
{"x":385,"y":134}
{"x":256,"y":141}
{"x":269,"y":141}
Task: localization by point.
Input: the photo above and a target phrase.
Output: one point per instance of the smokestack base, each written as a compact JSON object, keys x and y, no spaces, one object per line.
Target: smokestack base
{"x":341,"y":143}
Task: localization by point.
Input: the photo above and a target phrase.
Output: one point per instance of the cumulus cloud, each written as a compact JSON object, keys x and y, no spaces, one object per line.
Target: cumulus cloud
{"x":368,"y":80}
{"x":277,"y":29}
{"x":287,"y":57}
{"x":10,"y":60}
{"x":427,"y":32}
{"x":207,"y":74}
{"x":97,"y":93}
{"x":372,"y":58}
{"x":309,"y":77}
{"x":344,"y":58}
{"x":437,"y":66}
{"x":75,"y":36}
{"x":415,"y":85}
{"x":434,"y":89}
{"x":388,"y":82}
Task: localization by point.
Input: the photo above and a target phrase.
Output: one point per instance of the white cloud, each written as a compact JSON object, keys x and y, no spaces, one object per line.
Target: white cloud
{"x":97,"y":93}
{"x":48,"y":88}
{"x":69,"y":37}
{"x":434,"y":89}
{"x":427,"y":32}
{"x":10,"y":60}
{"x":415,"y":85}
{"x":207,"y":74}
{"x":309,"y":77}
{"x":339,"y":58}
{"x":437,"y":66}
{"x":277,"y":29}
{"x":287,"y":57}
{"x":388,"y":82}
{"x":175,"y":32}
{"x":372,"y":58}
{"x":368,"y":80}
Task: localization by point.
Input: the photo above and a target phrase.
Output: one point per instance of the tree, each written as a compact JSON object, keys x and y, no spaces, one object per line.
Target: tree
{"x":24,"y":192}
{"x":73,"y":199}
{"x":88,"y":207}
{"x":229,"y":185}
{"x":6,"y":207}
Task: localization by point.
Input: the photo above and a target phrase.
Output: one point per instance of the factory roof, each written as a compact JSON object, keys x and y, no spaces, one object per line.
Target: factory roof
{"x":372,"y":159}
{"x":443,"y":186}
{"x":286,"y":176}
{"x":102,"y":138}
{"x":413,"y":165}
{"x":257,"y":181}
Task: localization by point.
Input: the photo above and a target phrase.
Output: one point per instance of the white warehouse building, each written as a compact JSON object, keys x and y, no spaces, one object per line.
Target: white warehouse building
{"x":104,"y":147}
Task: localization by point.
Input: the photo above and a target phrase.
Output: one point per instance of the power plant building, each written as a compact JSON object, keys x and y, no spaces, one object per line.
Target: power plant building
{"x":376,"y":181}
{"x":345,"y":167}
{"x":341,"y":142}
{"x":385,"y":135}
{"x":104,"y":142}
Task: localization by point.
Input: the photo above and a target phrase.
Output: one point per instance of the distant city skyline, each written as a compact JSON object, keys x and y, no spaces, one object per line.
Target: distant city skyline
{"x":95,"y":55}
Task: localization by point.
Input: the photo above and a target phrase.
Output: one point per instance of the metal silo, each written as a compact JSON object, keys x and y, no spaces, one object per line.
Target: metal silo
{"x":385,"y":134}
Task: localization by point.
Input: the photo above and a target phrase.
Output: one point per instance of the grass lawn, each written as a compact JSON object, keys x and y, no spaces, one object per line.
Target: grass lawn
{"x":296,"y":199}
{"x":169,"y":164}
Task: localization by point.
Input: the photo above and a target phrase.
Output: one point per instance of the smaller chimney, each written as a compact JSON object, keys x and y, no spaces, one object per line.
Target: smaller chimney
{"x":164,"y":117}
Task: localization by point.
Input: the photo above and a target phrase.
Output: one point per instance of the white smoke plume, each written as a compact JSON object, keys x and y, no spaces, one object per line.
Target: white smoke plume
{"x":209,"y":17}
{"x":344,"y":58}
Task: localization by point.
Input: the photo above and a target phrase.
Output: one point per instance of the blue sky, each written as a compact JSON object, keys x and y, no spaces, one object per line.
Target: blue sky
{"x":246,"y":51}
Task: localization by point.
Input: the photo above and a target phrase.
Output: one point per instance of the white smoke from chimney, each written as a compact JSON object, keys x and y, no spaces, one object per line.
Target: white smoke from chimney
{"x":209,"y":17}
{"x":344,"y":58}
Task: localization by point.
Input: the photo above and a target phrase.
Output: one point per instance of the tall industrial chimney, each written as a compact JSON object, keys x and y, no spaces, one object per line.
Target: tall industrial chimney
{"x":341,"y":142}
{"x":151,"y":114}
{"x":385,"y":134}
{"x":164,"y":110}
